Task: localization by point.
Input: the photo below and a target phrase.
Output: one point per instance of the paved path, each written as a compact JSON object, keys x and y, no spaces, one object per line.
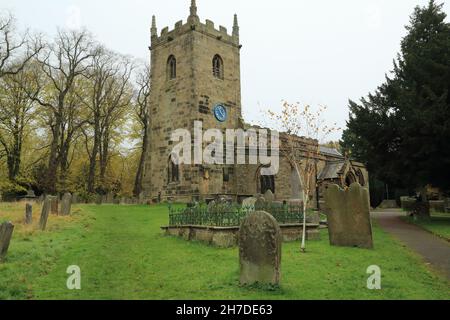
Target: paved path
{"x":434,"y":250}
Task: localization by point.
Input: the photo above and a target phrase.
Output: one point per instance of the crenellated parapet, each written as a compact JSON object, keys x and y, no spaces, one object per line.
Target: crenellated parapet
{"x":193,"y":23}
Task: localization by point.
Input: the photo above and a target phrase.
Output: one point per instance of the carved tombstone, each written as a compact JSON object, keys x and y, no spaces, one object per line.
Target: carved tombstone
{"x":45,"y":212}
{"x":6,"y":231}
{"x":66,"y":204}
{"x":260,"y":241}
{"x":29,"y":214}
{"x":349,"y":222}
{"x":54,"y":204}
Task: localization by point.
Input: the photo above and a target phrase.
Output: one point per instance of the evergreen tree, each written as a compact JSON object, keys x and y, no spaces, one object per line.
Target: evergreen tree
{"x":402,"y":132}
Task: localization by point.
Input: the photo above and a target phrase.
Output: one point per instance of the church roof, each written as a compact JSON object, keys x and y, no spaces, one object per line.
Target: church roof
{"x":330,"y":151}
{"x":332,"y":170}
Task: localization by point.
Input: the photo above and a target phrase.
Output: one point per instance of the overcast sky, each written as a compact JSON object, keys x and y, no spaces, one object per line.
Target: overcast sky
{"x":316,"y":52}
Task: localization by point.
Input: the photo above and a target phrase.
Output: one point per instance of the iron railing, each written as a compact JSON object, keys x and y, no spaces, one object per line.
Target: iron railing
{"x":231,"y":216}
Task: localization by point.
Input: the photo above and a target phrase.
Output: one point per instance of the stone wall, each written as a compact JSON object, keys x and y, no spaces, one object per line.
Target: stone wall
{"x":229,"y":236}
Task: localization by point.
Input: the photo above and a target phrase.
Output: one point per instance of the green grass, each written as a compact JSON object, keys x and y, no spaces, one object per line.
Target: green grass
{"x":439,"y":224}
{"x":123,"y":254}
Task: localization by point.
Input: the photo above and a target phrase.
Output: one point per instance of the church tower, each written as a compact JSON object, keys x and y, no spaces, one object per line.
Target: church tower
{"x":195,"y":71}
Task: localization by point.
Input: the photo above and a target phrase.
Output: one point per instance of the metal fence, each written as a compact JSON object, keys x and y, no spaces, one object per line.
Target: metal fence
{"x":231,"y":216}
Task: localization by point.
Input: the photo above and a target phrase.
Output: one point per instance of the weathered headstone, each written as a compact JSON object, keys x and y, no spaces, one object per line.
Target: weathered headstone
{"x":109,"y":198}
{"x":75,"y":198}
{"x":260,"y":203}
{"x":349,"y":222}
{"x":313,"y":217}
{"x":269,"y":196}
{"x":29,"y":214}
{"x":54,"y":205}
{"x":6,"y":231}
{"x":249,"y":203}
{"x":66,"y":204}
{"x":260,"y":241}
{"x":44,"y":213}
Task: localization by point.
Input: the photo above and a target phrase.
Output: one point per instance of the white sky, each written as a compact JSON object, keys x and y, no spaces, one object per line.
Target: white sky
{"x":316,"y":52}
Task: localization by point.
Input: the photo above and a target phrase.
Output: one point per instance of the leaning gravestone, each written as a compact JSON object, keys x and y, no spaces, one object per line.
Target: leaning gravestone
{"x":45,"y":212}
{"x":6,"y":231}
{"x":260,"y":242}
{"x":66,"y":204}
{"x":349,"y":216}
{"x":29,"y":214}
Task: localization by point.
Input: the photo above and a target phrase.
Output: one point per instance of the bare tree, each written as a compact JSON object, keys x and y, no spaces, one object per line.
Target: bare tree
{"x":16,"y":114}
{"x":143,"y":117}
{"x":13,"y":47}
{"x":101,"y":84}
{"x":302,"y":129}
{"x":114,"y":111}
{"x":62,"y":63}
{"x":107,"y":100}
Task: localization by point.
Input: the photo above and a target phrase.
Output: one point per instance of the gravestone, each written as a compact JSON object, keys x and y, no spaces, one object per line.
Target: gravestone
{"x":313,"y":217}
{"x":109,"y":198}
{"x":249,"y":203}
{"x":54,"y":204}
{"x":44,"y":213}
{"x":29,"y":214}
{"x":260,"y":241}
{"x":260,"y":203}
{"x":66,"y":204}
{"x":6,"y":231}
{"x":349,"y":222}
{"x":75,"y":198}
{"x":269,"y":196}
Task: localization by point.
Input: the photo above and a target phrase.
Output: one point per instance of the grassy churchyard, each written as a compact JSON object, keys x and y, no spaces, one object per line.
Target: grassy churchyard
{"x":438,"y":224}
{"x":123,"y":254}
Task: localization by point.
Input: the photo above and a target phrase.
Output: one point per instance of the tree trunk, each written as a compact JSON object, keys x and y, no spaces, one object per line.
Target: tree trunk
{"x":94,"y":153}
{"x":140,"y":171}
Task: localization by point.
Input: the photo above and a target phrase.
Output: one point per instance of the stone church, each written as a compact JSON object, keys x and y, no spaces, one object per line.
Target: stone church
{"x":195,"y":72}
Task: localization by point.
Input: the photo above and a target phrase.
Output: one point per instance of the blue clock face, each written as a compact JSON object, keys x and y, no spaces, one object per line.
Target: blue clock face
{"x":220,"y":112}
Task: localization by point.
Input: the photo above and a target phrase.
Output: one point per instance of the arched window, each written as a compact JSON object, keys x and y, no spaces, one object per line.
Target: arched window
{"x":174,"y":171}
{"x":171,"y":67}
{"x":217,"y":67}
{"x":361,"y":179}
{"x":267,"y":183}
{"x":350,"y":179}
